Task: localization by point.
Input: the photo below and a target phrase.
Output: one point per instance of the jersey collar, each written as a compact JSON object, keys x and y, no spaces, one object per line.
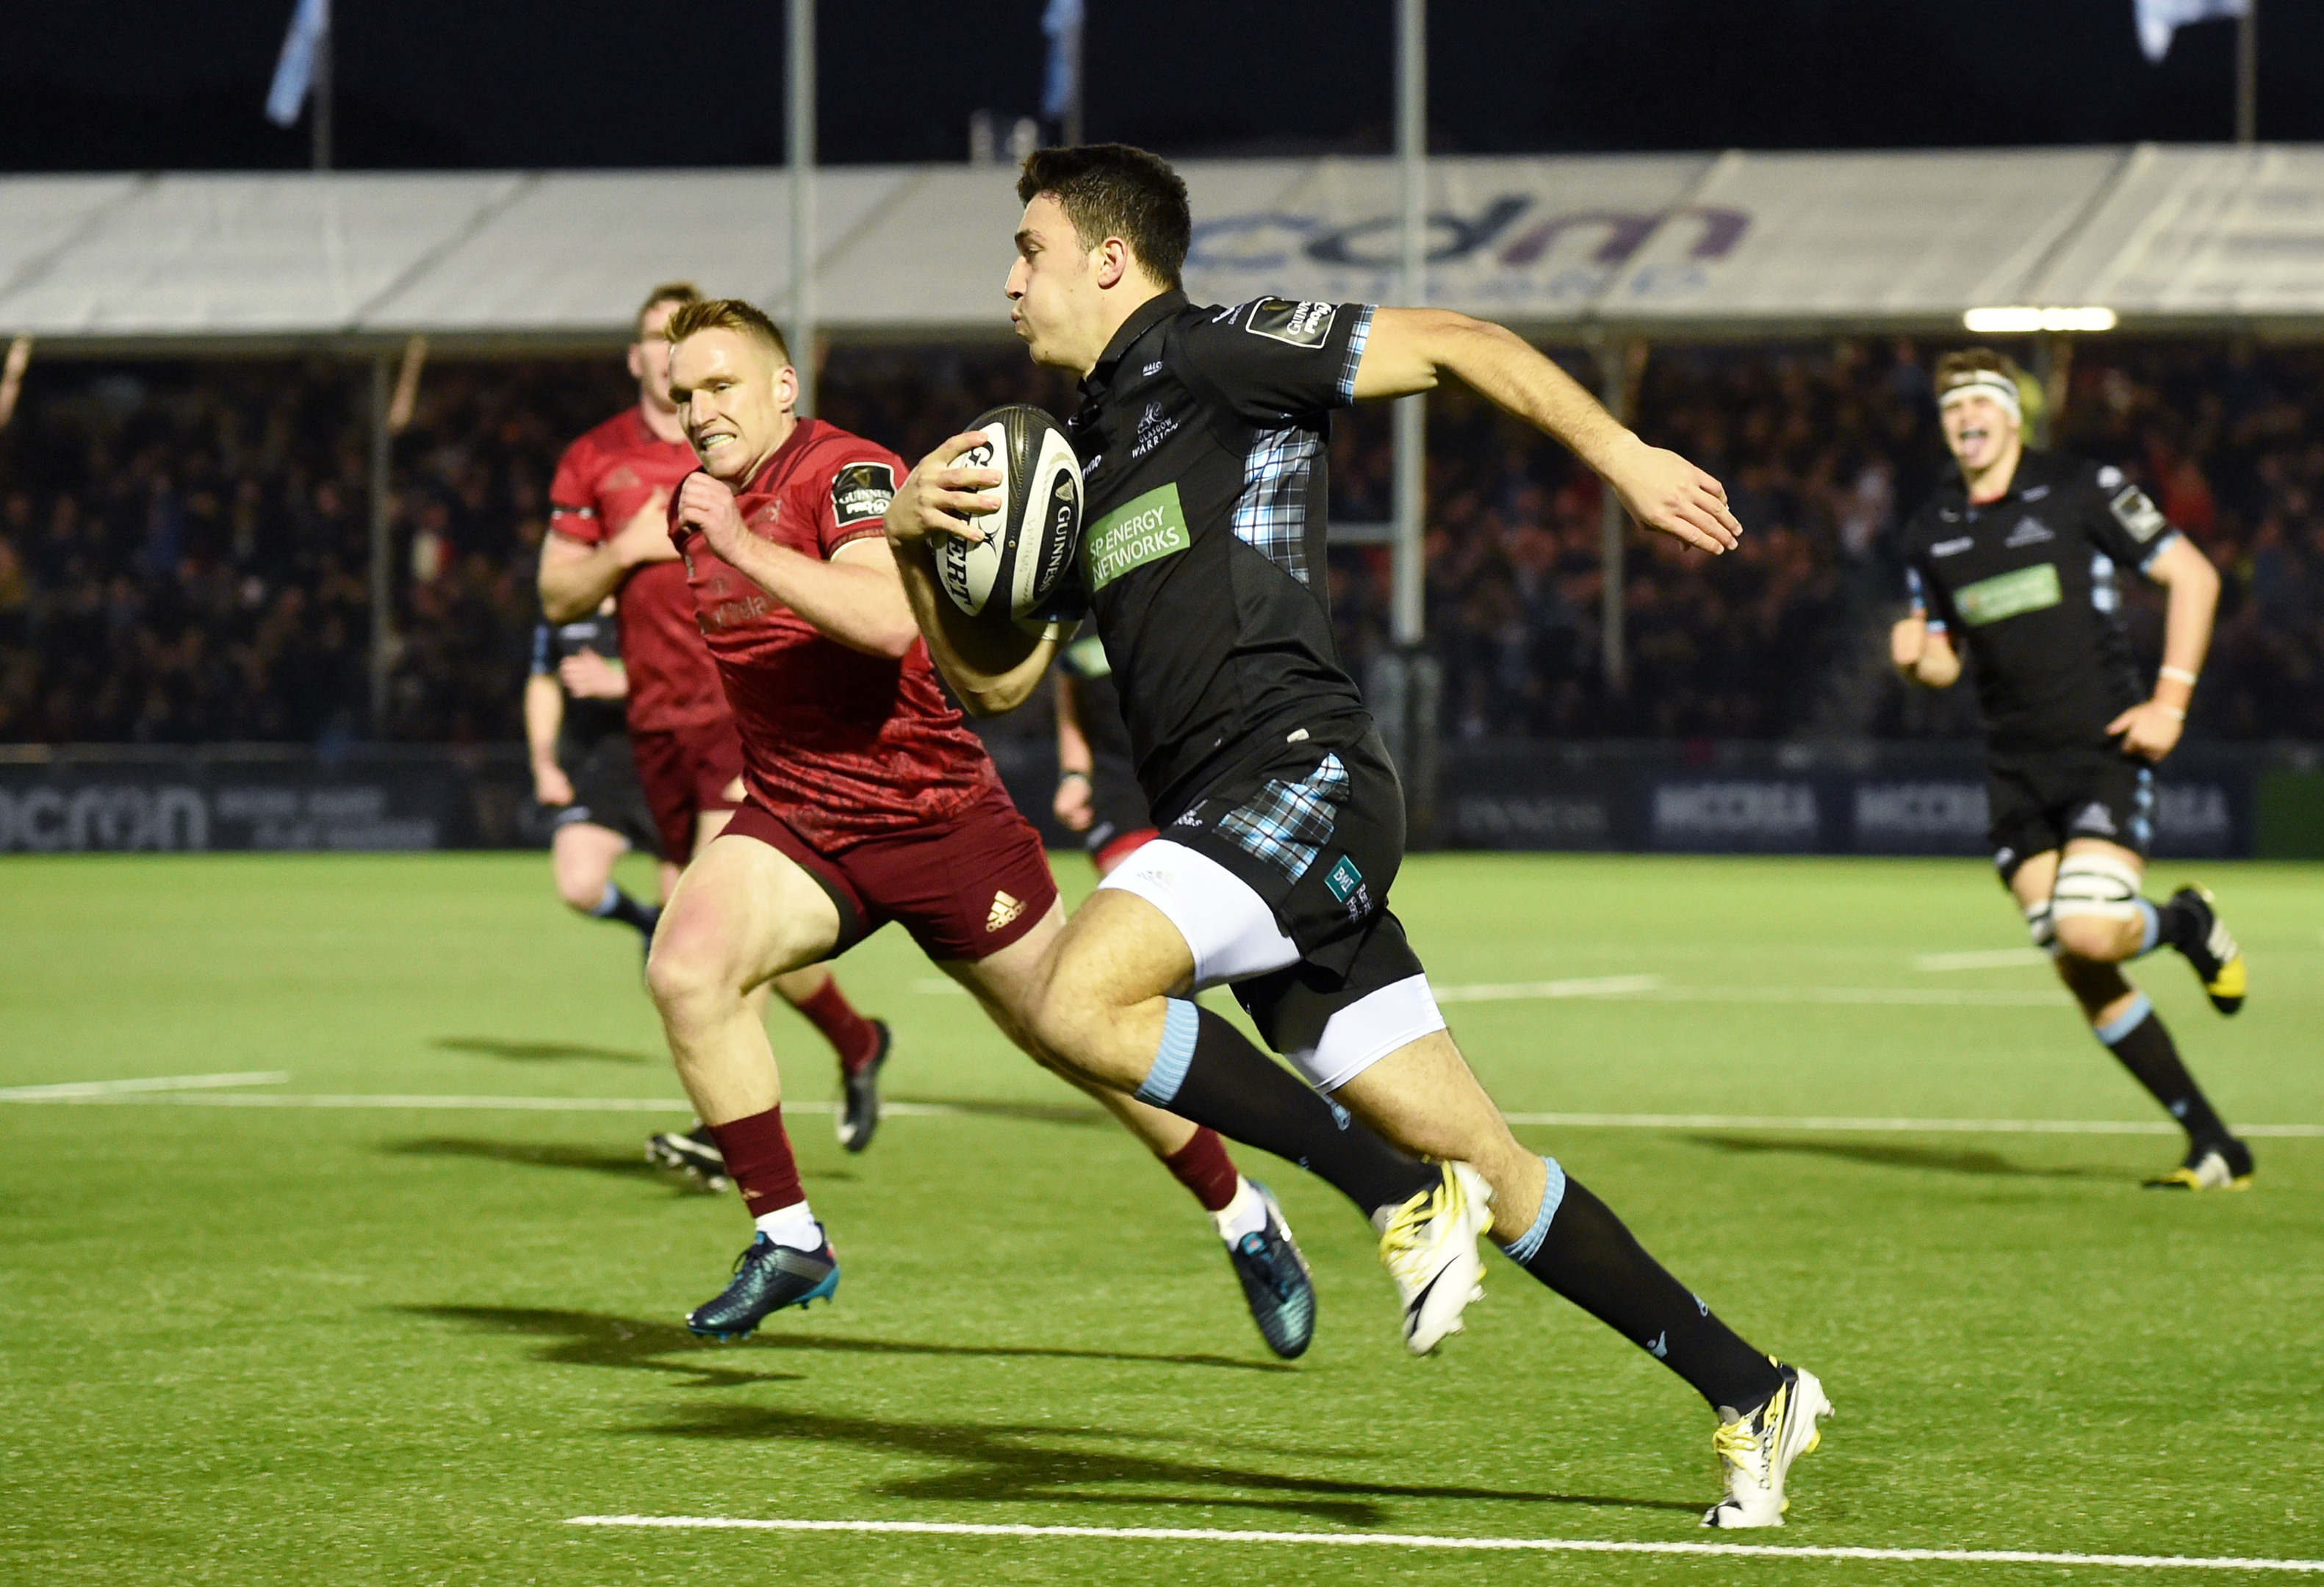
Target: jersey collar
{"x":779,"y":463}
{"x":1147,"y":315}
{"x":2033,"y":468}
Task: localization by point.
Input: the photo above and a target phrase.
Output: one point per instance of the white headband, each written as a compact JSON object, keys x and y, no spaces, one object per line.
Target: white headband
{"x":1987,"y":383}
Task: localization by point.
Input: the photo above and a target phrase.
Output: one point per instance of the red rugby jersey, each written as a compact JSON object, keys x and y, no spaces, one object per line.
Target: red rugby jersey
{"x":601,"y":481}
{"x":842,"y":744}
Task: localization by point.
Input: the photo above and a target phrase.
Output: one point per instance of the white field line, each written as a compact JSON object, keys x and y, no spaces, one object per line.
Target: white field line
{"x":2013,"y":1556}
{"x":906,"y":1110}
{"x":1651,"y":989}
{"x":1983,"y":959}
{"x":1898,"y":1126}
{"x":81,"y":1090}
{"x":1520,"y":990}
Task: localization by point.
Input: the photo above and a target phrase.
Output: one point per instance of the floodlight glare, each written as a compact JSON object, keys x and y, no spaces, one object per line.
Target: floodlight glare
{"x":2024,"y":321}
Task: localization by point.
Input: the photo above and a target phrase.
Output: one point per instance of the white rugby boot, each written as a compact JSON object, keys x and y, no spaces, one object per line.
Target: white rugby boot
{"x":1429,"y":1247}
{"x":1756,"y":1452}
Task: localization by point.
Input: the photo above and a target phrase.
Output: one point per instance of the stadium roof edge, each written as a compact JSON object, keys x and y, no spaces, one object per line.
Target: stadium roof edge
{"x":2174,"y":238}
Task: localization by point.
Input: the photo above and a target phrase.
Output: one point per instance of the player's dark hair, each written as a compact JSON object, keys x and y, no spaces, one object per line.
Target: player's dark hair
{"x":1114,"y":190}
{"x":1968,"y":360}
{"x":680,"y":292}
{"x":727,"y":314}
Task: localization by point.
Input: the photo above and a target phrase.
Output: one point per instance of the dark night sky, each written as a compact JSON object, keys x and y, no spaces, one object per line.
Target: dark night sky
{"x":163,"y":84}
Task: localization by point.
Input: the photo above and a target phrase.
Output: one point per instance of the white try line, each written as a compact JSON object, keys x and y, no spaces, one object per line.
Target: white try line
{"x":83,"y":1090}
{"x":2007,"y":1557}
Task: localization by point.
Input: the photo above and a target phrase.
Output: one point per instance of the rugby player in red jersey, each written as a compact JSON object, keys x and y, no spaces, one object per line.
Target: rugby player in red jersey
{"x":869,"y":800}
{"x":609,"y":536}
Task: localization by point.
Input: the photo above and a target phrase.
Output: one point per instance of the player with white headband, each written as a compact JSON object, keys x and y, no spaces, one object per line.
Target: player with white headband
{"x":2019,"y":564}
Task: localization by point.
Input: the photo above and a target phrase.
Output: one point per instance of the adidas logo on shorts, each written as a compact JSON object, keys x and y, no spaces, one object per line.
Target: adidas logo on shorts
{"x":1004,"y":910}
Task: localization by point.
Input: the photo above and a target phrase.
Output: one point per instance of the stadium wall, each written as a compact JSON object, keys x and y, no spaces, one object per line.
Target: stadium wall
{"x":1731,"y":798}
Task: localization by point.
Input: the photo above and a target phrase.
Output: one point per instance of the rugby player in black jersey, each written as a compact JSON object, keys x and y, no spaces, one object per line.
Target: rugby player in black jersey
{"x":582,"y":771}
{"x":2019,"y":564}
{"x":1098,"y":795}
{"x":1202,"y":436}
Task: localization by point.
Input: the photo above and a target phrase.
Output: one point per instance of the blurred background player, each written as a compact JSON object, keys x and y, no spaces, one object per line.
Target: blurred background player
{"x":1098,"y":794}
{"x":2017,"y":564}
{"x":582,"y":771}
{"x":609,"y":537}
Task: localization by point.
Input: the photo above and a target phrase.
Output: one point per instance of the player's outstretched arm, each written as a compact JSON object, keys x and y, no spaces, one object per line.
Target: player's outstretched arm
{"x":1410,"y":350}
{"x":855,"y":597}
{"x":2151,"y":731}
{"x":991,"y":666}
{"x":1924,"y":656}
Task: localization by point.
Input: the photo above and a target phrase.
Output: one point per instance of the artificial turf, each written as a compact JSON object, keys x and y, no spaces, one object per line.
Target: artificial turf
{"x":290,"y":1344}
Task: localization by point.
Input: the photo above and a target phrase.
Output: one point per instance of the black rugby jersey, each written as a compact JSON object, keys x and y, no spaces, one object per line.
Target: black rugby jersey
{"x":1202,"y":434}
{"x":586,"y":721}
{"x":2029,"y":586}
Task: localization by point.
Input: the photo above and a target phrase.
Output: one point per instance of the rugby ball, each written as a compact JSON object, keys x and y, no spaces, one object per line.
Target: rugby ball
{"x":1029,"y":545}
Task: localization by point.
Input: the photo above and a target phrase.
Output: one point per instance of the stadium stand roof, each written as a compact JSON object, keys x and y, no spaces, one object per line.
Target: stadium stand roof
{"x":2186,"y":237}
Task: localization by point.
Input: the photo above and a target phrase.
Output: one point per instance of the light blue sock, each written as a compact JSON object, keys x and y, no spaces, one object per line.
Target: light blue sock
{"x":2124,"y":1023}
{"x":2153,"y":921}
{"x":1180,"y":1021}
{"x":1521,"y":1250}
{"x":611,"y":902}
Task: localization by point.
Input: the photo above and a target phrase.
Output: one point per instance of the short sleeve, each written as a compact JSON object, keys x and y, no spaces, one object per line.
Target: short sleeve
{"x":573,"y":499}
{"x":2123,"y":522}
{"x":854,"y":506}
{"x":1272,"y":358}
{"x":542,"y":665}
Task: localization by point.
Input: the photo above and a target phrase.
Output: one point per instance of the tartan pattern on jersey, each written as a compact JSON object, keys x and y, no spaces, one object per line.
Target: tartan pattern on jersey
{"x":1356,"y":340}
{"x":1289,"y":822}
{"x":1270,"y":515}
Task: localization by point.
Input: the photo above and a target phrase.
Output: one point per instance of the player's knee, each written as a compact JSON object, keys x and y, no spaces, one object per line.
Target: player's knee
{"x":2097,"y":937}
{"x":582,"y":890}
{"x":687,"y":972}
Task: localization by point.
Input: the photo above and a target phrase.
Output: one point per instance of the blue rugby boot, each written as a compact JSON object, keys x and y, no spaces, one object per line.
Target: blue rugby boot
{"x":1275,"y":1280}
{"x":767,"y":1278}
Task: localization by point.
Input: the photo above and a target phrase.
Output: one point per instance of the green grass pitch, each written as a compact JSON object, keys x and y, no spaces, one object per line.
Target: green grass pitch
{"x":260,"y":1344}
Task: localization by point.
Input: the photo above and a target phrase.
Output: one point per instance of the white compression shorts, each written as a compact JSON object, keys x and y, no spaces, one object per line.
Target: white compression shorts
{"x":1232,"y":936}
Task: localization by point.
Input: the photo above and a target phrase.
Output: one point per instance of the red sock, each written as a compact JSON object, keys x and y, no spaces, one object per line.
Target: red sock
{"x":758,"y":1161}
{"x":1203,"y":1167}
{"x":853,"y":1038}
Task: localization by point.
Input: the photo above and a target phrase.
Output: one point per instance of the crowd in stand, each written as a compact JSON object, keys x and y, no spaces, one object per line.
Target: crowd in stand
{"x":185,"y":548}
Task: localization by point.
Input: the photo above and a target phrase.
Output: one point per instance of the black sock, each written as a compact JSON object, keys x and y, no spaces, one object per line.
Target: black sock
{"x":2146,"y":1048}
{"x":2180,"y":923}
{"x":1210,"y":1073}
{"x":617,"y":905}
{"x":1586,"y":1255}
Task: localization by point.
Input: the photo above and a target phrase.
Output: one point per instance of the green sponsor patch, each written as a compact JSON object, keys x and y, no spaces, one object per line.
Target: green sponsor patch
{"x":1146,"y":530}
{"x":1344,"y":879}
{"x":2007,"y":594}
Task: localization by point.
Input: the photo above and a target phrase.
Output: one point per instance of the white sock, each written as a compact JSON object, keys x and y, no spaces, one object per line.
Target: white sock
{"x":793,"y":1225}
{"x":1246,"y":1214}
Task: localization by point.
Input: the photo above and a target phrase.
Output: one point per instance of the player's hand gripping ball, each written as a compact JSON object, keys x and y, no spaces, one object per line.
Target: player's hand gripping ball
{"x":1029,"y":544}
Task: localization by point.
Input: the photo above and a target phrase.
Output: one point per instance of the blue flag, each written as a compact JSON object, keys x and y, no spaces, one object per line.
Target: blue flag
{"x":2159,"y":19}
{"x":296,"y":70}
{"x":1063,"y":89}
